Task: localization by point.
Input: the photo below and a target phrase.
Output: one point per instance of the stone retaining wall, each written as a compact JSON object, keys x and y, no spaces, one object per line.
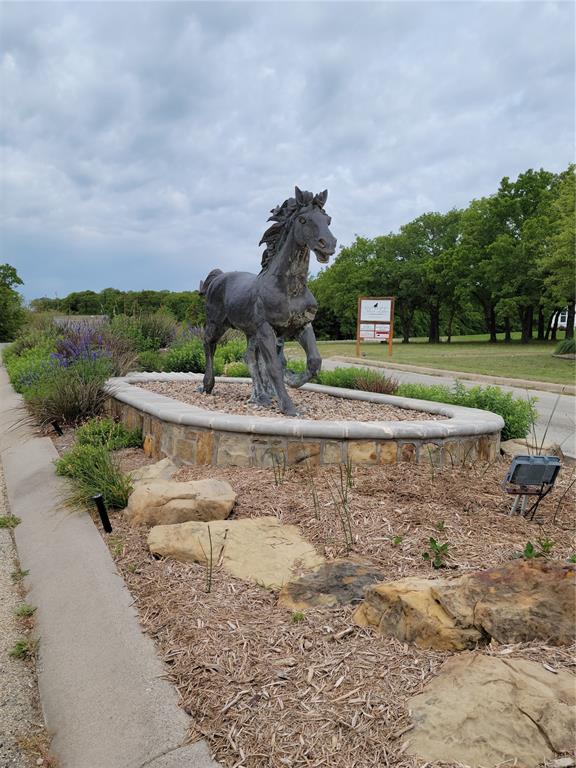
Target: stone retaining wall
{"x":192,"y":435}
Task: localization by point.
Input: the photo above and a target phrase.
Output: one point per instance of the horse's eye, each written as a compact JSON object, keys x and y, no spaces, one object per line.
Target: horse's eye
{"x":302,"y":220}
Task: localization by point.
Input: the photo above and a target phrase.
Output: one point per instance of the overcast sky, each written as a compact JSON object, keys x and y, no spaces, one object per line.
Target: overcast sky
{"x":145,"y":143}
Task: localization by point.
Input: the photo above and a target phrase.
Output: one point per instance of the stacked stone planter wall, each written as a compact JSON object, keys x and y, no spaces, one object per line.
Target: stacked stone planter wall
{"x":192,"y":435}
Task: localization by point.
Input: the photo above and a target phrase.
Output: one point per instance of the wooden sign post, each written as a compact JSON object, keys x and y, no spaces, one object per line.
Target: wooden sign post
{"x":375,"y":321}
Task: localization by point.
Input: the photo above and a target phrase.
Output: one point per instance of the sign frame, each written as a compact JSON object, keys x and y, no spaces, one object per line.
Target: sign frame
{"x":377,"y":324}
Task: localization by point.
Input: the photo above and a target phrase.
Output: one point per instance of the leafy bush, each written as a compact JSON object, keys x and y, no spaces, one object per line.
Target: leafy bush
{"x":147,"y":332}
{"x":238,"y":369}
{"x":91,"y":470}
{"x":150,"y":361}
{"x":232,"y":351}
{"x":566,"y":347}
{"x":519,"y":415}
{"x":31,"y":366}
{"x":340,"y":377}
{"x":186,"y":358}
{"x":111,"y":434}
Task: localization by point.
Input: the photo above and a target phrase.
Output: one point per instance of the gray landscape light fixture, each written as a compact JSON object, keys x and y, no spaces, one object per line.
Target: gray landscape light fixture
{"x":530,"y":476}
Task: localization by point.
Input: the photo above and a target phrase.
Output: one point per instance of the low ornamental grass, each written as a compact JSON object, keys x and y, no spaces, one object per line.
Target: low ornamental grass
{"x":92,"y":469}
{"x":566,"y":347}
{"x":111,"y":434}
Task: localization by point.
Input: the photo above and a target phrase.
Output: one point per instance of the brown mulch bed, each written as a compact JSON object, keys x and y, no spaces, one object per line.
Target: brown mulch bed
{"x":268,"y":688}
{"x":233,"y":398}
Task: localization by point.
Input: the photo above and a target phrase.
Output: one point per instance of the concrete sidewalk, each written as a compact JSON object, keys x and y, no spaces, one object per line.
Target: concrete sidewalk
{"x":101,"y":684}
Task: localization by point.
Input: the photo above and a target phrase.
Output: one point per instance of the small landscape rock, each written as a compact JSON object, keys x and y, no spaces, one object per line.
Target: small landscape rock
{"x":161,"y":470}
{"x":484,"y":711}
{"x":165,"y":502}
{"x":261,"y":549}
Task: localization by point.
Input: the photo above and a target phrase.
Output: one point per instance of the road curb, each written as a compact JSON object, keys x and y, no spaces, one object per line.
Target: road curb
{"x":545,"y":386}
{"x":102,"y":687}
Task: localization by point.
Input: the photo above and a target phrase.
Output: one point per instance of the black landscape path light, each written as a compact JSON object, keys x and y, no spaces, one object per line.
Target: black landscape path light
{"x":99,"y":501}
{"x":530,"y":476}
{"x":57,"y":428}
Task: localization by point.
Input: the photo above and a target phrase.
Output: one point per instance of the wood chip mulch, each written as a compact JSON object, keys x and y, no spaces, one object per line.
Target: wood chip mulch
{"x":233,"y":398}
{"x":268,"y":688}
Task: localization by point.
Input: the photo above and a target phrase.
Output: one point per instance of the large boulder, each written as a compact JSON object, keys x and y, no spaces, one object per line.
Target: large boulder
{"x":517,"y":602}
{"x":487,"y":711}
{"x":409,"y":610}
{"x":339,"y":582}
{"x":261,"y":549}
{"x":165,"y":502}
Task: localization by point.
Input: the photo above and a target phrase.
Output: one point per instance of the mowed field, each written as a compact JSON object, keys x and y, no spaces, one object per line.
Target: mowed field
{"x":470,"y":354}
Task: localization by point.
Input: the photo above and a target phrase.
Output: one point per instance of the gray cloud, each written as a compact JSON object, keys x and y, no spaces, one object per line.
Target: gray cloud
{"x":144,"y":143}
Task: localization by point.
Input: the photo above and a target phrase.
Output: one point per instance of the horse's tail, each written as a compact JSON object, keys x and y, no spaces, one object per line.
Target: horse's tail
{"x":205,"y":284}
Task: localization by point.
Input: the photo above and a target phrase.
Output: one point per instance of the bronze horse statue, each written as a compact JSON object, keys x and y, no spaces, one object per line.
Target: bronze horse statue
{"x":275,"y":304}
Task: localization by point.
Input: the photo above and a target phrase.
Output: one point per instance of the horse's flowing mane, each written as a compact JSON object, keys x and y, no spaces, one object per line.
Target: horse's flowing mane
{"x":282,"y":215}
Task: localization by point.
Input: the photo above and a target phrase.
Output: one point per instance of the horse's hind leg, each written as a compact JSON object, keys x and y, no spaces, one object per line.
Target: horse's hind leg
{"x":259,"y":394}
{"x":266,"y":339}
{"x":211,"y":336}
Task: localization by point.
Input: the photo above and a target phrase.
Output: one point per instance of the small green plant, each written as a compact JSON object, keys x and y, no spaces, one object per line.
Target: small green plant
{"x":297,"y":617}
{"x":546,"y":546}
{"x":9,"y":521}
{"x":25,"y":610}
{"x":25,"y":648}
{"x":237,"y":369}
{"x":572,"y":559}
{"x":542,"y":549}
{"x":92,"y":469}
{"x":566,"y":347}
{"x":436,"y":553}
{"x":396,"y":541}
{"x":440,"y":525}
{"x":18,"y":575}
{"x":111,"y":434}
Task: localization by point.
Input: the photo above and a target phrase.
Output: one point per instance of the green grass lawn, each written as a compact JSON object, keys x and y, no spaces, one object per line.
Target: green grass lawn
{"x":470,"y":354}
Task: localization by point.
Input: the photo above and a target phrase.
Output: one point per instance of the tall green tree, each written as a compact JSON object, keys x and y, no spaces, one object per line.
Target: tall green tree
{"x":11,"y":310}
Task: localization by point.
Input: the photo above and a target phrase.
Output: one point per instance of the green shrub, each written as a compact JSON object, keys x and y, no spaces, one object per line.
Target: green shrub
{"x":519,"y":414}
{"x":150,"y":361}
{"x":340,"y":377}
{"x":92,"y":469}
{"x":111,"y":434}
{"x":237,"y":369}
{"x":30,"y":367}
{"x":158,"y":329}
{"x":188,"y":357}
{"x":232,"y":351}
{"x":566,"y":347}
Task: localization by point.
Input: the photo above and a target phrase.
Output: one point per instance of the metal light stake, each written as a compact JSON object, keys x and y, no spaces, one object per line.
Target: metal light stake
{"x":57,"y":428}
{"x":99,"y":501}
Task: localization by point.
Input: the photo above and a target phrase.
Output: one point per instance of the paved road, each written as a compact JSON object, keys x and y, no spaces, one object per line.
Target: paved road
{"x":556,"y":413}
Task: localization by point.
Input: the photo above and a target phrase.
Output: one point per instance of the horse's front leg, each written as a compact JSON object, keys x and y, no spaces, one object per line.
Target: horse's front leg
{"x":266,"y":339}
{"x":307,"y":340}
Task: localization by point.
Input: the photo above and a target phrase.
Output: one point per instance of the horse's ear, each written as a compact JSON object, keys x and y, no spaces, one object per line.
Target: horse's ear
{"x":299,"y":195}
{"x":322,"y":197}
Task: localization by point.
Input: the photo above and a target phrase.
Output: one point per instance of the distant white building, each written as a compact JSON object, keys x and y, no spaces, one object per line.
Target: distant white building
{"x":563,"y":319}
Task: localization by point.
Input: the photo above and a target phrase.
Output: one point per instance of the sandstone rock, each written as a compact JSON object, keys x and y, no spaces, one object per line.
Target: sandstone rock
{"x":255,"y":549}
{"x":338,"y":582}
{"x":486,"y":711}
{"x":408,"y":610}
{"x":521,"y":601}
{"x":161,"y":470}
{"x":518,"y":602}
{"x":166,"y":501}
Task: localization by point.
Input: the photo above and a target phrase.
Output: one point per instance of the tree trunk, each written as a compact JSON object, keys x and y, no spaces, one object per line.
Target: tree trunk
{"x":540,"y":324}
{"x":434,"y":332}
{"x":492,"y":321}
{"x":554,"y":331}
{"x":548,"y":327}
{"x":570,"y":322}
{"x":449,"y":328}
{"x":527,"y":318}
{"x":507,"y":333}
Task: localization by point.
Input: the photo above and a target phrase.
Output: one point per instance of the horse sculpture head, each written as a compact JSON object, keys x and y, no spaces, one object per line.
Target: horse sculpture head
{"x":304,"y":214}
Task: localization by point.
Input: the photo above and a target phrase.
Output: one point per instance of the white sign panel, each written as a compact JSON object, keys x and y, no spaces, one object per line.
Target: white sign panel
{"x":375,"y":310}
{"x":374,"y":331}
